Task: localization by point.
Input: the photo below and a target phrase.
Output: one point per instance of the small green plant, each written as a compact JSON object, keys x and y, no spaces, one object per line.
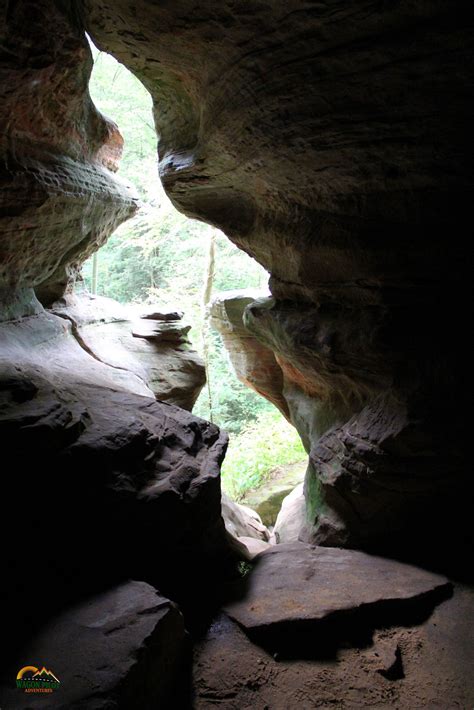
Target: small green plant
{"x":267,"y":442}
{"x":244,"y":568}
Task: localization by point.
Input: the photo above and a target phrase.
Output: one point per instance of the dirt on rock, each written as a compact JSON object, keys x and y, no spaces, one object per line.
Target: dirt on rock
{"x":433,"y":662}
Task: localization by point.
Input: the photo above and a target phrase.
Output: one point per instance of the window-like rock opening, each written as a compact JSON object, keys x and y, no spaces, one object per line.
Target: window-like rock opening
{"x":163,"y":261}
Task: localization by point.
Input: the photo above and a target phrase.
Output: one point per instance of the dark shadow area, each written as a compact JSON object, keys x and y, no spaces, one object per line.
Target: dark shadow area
{"x":323,"y":639}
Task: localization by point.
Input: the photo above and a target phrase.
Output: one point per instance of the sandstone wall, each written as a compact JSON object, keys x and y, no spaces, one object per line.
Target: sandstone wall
{"x":333,"y":143}
{"x":60,"y":198}
{"x":100,"y":480}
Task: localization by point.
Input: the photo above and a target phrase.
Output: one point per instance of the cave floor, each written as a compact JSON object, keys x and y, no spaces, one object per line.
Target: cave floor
{"x":421,"y":665}
{"x":305,"y":627}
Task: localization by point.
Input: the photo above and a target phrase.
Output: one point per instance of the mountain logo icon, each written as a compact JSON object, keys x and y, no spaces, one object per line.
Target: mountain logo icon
{"x":31,"y":679}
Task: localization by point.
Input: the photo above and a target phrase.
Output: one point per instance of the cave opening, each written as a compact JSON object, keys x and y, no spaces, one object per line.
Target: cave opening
{"x":330,"y":142}
{"x":161,"y":259}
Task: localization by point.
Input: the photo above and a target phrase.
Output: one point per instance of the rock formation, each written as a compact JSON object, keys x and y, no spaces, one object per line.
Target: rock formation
{"x":110,"y":483}
{"x":257,"y":365}
{"x":436,"y":656}
{"x":150,"y":343}
{"x":297,"y":589}
{"x":105,"y":482}
{"x":254,"y":364}
{"x":124,"y":647}
{"x":333,"y":144}
{"x":292,"y":516}
{"x":60,"y":199}
{"x":242,"y":521}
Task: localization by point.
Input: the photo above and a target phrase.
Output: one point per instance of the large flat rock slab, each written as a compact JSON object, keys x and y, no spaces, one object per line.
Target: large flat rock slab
{"x":437,"y":657}
{"x":122,"y":648}
{"x":295,"y":583}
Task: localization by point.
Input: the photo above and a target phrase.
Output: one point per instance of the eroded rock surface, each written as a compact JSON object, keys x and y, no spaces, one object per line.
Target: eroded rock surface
{"x":242,"y":521}
{"x":292,"y":516}
{"x":153,"y":345}
{"x":322,"y":591}
{"x":333,"y":143}
{"x":239,"y":316}
{"x":60,"y":198}
{"x":254,"y":364}
{"x":129,"y":485}
{"x":382,"y":474}
{"x":125,"y":647}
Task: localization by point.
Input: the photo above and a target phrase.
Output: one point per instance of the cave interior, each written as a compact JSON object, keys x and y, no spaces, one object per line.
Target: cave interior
{"x":332,"y":142}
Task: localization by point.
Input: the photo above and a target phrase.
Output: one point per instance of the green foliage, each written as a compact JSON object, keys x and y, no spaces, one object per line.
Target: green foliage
{"x":119,"y":95}
{"x":244,"y":569}
{"x":160,"y":257}
{"x":234,"y":404}
{"x":261,"y":446}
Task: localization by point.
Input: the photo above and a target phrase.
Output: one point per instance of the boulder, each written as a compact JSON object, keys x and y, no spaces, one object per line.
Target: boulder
{"x":242,"y":521}
{"x":424,"y":666}
{"x":329,"y":593}
{"x":254,"y":546}
{"x":132,"y":483}
{"x":267,"y":499}
{"x":154,"y":346}
{"x":125,"y":647}
{"x":292,"y":516}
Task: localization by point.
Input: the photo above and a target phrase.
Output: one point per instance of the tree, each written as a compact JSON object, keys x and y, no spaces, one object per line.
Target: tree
{"x":206,"y":297}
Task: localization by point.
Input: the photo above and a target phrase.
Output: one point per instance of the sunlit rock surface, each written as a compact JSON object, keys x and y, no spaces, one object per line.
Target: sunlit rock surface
{"x":291,"y":517}
{"x":153,"y":345}
{"x":254,"y":364}
{"x":242,"y":521}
